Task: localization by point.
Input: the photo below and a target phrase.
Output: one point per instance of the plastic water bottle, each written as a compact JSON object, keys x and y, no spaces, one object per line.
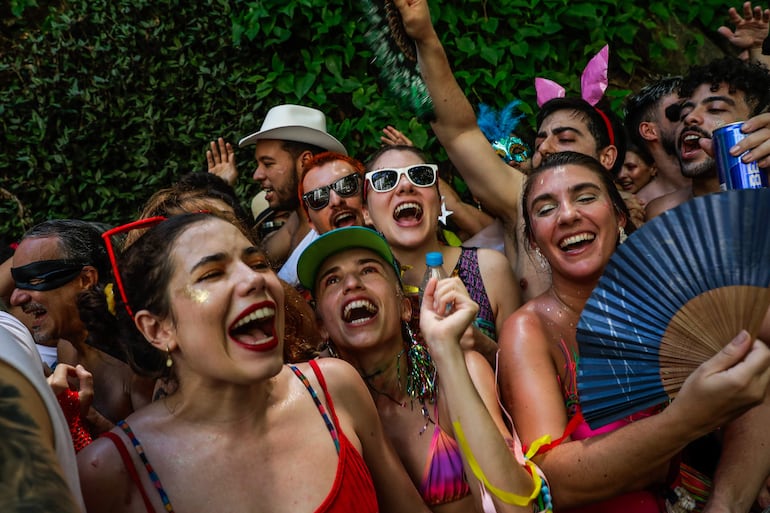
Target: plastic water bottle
{"x":435,"y":262}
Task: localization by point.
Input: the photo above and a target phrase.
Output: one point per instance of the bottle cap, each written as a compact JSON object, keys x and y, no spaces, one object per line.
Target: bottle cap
{"x":434,"y":258}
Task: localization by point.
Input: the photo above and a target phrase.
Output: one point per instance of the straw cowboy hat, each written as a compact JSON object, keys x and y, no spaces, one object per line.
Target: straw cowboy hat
{"x":295,"y":123}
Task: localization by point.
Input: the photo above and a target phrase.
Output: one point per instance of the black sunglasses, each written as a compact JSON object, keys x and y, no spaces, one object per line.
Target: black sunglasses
{"x":384,"y":180}
{"x":345,"y":187}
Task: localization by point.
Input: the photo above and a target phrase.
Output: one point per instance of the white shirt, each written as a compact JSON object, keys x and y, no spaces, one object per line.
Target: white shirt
{"x":288,"y":271}
{"x":18,"y":350}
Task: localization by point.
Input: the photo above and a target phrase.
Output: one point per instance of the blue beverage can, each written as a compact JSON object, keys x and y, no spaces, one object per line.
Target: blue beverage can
{"x":734,"y":173}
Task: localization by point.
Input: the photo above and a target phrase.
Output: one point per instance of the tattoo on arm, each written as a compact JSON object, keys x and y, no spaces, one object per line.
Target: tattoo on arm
{"x":30,"y":476}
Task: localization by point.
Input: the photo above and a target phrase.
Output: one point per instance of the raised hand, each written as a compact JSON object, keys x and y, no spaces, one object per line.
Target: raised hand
{"x":726,"y":385}
{"x":751,"y":29}
{"x":416,"y":18}
{"x":221,"y":161}
{"x":392,"y":136}
{"x":446,"y":312}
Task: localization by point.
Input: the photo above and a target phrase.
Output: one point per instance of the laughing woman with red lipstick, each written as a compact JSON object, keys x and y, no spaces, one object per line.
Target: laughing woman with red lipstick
{"x":242,"y":432}
{"x":403,"y":202}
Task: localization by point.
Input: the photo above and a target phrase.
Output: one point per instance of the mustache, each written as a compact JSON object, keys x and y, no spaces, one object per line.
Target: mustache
{"x":32,"y":307}
{"x":697,"y":129}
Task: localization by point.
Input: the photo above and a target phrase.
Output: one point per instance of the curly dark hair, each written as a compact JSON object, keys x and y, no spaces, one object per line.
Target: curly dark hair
{"x":751,"y":78}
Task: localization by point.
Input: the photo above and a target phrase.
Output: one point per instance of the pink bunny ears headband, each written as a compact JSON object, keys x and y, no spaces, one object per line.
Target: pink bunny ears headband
{"x":593,"y":83}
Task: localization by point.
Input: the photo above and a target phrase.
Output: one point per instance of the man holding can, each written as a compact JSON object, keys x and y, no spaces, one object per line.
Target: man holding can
{"x":714,"y":95}
{"x":724,"y":91}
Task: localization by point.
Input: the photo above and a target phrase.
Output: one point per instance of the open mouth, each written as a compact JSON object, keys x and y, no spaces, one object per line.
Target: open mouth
{"x":408,"y":212}
{"x":255,"y":328}
{"x":359,"y":312}
{"x":689,"y":143}
{"x":626,"y":185}
{"x":574,"y":242}
{"x":34,"y":310}
{"x":346,"y":218}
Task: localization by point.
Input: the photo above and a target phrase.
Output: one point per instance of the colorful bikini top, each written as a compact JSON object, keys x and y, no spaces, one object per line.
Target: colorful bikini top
{"x":353,"y":489}
{"x":444,"y":478}
{"x":467,"y":269}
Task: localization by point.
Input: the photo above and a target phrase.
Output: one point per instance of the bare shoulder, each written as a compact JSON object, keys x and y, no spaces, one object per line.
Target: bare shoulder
{"x":99,"y":460}
{"x":524,"y":329}
{"x":667,"y":202}
{"x":493,"y":260}
{"x":103,"y":475}
{"x":342,"y":380}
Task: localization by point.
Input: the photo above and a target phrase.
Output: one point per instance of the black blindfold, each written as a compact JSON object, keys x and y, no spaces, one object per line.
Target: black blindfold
{"x":46,"y":274}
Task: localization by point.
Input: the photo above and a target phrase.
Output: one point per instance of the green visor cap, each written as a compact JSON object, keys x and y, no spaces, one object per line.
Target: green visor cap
{"x":335,"y":241}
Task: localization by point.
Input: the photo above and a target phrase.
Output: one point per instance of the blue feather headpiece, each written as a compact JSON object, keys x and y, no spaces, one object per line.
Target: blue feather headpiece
{"x":498,"y":127}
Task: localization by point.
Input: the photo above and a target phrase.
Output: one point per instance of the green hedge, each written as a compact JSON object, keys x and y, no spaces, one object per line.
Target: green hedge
{"x":104,"y":101}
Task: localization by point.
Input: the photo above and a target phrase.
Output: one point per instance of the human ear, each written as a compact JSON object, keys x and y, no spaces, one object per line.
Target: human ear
{"x":89,"y":277}
{"x":159,"y":333}
{"x":607,"y":156}
{"x":648,"y":131}
{"x":406,"y":309}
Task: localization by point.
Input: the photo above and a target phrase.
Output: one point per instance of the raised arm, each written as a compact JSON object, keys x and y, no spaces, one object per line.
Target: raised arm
{"x":468,"y":389}
{"x":497,"y":185}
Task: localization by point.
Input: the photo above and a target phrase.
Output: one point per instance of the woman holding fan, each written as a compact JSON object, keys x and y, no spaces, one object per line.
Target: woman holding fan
{"x":574,"y":219}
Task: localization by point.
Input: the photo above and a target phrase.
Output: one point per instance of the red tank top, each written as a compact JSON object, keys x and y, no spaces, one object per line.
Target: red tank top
{"x":352,"y":491}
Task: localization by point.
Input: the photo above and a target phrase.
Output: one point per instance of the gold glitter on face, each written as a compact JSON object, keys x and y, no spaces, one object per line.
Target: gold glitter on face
{"x":199,"y":296}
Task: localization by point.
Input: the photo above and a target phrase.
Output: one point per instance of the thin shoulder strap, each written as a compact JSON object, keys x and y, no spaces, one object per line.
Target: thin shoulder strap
{"x":331,"y":424}
{"x":327,"y":395}
{"x":147,"y":465}
{"x":129,"y":464}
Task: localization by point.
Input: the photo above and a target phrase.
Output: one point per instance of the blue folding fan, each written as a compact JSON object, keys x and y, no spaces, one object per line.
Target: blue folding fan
{"x":672,"y":296}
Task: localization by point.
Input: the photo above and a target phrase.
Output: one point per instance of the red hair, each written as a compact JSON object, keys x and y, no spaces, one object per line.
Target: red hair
{"x":319,"y":160}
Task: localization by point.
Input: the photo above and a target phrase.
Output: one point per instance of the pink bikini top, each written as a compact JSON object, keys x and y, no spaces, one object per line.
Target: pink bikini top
{"x":444,"y":477}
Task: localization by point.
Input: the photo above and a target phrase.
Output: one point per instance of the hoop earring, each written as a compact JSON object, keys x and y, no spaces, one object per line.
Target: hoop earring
{"x":622,"y":237}
{"x":169,"y":361}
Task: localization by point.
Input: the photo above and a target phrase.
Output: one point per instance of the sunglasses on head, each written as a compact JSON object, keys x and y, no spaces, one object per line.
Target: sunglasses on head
{"x":345,"y":187}
{"x":384,"y":180}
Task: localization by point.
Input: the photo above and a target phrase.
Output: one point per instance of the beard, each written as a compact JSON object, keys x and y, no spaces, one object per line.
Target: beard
{"x":668,"y":141}
{"x":286,"y":197}
{"x":703,"y":169}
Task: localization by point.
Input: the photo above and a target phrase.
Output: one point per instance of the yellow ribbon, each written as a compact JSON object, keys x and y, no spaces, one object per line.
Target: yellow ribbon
{"x":452,"y":239}
{"x":537,"y":444}
{"x":507,"y":497}
{"x":109,"y":293}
